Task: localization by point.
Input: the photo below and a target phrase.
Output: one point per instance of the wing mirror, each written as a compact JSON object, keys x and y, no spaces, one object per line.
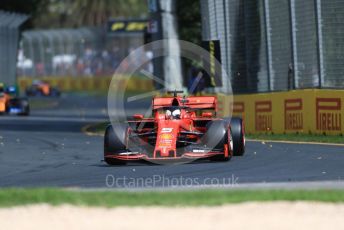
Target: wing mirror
{"x":207,"y":114}
{"x":138,"y":116}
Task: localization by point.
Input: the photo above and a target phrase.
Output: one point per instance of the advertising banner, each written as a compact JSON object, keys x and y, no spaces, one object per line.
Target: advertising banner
{"x":316,"y":111}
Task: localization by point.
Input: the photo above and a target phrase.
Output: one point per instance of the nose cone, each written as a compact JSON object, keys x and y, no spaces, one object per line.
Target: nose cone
{"x":166,"y":140}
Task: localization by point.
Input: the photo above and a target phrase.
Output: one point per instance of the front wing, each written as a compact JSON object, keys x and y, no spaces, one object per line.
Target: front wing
{"x":194,"y":155}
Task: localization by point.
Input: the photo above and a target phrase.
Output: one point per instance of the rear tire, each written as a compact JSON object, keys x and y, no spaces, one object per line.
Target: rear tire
{"x":55,"y":92}
{"x":115,"y":143}
{"x":31,"y":92}
{"x":238,"y":133}
{"x":26,"y":113}
{"x":24,"y":104}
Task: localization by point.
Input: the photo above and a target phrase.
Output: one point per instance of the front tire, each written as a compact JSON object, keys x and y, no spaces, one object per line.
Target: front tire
{"x":217,"y":137}
{"x":115,"y":143}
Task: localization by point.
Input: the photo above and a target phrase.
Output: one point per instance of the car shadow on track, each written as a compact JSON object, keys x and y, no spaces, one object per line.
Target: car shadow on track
{"x":152,"y":164}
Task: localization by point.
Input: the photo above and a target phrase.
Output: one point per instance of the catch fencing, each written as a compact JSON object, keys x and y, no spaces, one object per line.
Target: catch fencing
{"x":9,"y":40}
{"x":278,"y":45}
{"x":81,"y":52}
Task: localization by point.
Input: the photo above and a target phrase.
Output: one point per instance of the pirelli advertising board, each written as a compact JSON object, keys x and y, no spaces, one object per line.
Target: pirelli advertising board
{"x":300,"y":111}
{"x":126,"y":26}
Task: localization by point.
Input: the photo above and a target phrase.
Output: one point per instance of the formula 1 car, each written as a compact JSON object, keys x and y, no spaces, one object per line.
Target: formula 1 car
{"x":182,"y":128}
{"x":11,"y":104}
{"x":41,"y":88}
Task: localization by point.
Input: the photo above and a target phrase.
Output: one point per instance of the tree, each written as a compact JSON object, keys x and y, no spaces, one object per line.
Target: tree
{"x":189,"y":20}
{"x":74,"y":13}
{"x":188,"y":14}
{"x":33,"y":8}
{"x":95,"y":13}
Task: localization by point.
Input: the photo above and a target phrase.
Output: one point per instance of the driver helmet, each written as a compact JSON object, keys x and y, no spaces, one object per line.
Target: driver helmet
{"x":168,"y":113}
{"x":176,"y":114}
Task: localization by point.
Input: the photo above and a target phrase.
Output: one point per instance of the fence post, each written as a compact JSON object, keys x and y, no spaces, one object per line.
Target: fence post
{"x":294,"y":56}
{"x":227,"y":47}
{"x":321,"y":70}
{"x":268,"y":42}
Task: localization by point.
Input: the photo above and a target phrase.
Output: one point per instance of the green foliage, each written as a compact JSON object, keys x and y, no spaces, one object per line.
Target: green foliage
{"x":99,"y":128}
{"x":33,"y":8}
{"x":189,"y":20}
{"x":73,"y":13}
{"x":188,"y":14}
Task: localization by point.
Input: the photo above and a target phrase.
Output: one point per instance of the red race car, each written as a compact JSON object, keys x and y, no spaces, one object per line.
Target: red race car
{"x":181,"y":128}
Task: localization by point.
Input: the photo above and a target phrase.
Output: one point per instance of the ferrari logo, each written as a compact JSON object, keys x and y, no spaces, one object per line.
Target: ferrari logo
{"x":166,"y":136}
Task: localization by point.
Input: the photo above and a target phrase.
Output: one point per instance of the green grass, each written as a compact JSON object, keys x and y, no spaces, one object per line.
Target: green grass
{"x":15,"y":197}
{"x":336,"y":139}
{"x":99,"y":128}
{"x":43,"y":103}
{"x":103,"y":93}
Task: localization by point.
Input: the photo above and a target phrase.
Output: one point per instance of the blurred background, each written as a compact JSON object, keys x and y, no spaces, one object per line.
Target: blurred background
{"x":264,"y":45}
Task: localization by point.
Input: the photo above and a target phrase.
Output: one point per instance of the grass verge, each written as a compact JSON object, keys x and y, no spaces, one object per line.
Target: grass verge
{"x":99,"y":129}
{"x":16,"y":197}
{"x":299,"y":138}
{"x":43,"y":103}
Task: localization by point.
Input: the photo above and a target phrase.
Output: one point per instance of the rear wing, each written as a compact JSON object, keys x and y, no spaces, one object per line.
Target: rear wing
{"x":202,"y":102}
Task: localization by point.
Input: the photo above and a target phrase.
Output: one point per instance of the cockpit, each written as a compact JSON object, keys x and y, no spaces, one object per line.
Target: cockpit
{"x":173,"y":113}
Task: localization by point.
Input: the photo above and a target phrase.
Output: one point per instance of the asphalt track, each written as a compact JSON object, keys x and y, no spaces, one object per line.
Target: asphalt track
{"x":49,"y":149}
